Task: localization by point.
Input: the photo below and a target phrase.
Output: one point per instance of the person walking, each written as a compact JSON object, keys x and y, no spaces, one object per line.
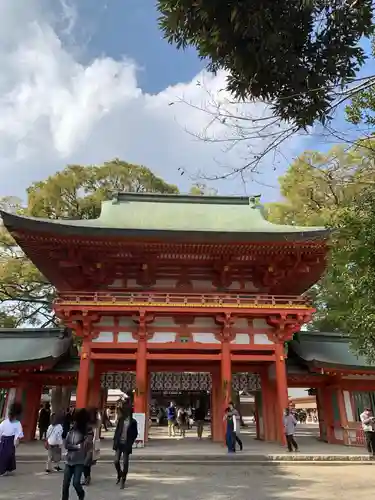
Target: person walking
{"x":236,"y":414}
{"x":54,"y":443}
{"x":124,"y":438}
{"x":171,"y":417}
{"x":67,"y":423}
{"x":182,"y":417}
{"x":199,"y":416}
{"x":44,"y":420}
{"x":93,"y":444}
{"x":10,"y":433}
{"x":231,"y":428}
{"x":76,"y":444}
{"x":290,"y":423}
{"x":368,"y":427}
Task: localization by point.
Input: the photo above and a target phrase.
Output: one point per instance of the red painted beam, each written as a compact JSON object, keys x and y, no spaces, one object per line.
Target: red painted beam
{"x":182,"y":357}
{"x":113,"y":355}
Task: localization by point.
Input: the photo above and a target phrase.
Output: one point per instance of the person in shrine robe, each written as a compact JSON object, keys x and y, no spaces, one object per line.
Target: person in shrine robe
{"x":10,"y":434}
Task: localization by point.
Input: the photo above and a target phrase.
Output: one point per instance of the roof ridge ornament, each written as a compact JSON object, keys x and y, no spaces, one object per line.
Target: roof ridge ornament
{"x":254,"y":201}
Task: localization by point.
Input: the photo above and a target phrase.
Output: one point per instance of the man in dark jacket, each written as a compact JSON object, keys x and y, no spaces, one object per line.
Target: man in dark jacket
{"x":125,"y":435}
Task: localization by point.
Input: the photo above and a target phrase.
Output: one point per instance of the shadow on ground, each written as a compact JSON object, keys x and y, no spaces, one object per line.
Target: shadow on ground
{"x":190,"y":482}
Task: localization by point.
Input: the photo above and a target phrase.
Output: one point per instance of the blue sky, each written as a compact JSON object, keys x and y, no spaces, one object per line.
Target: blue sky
{"x":83,"y":82}
{"x":117,"y":29}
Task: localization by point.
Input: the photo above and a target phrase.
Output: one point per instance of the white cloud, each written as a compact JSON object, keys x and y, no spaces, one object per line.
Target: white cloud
{"x":55,"y":110}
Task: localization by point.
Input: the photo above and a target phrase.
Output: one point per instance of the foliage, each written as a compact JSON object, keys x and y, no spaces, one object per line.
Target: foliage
{"x":362,"y":107}
{"x":335,"y":190}
{"x":200,"y":189}
{"x":355,"y":271}
{"x":76,"y":193}
{"x":292,"y":54}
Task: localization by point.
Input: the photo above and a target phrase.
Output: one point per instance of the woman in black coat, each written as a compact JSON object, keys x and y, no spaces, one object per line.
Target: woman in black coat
{"x":125,"y":435}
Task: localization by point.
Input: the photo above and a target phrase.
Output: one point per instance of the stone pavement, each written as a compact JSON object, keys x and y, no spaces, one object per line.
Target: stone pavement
{"x":160,"y":447}
{"x":190,"y":482}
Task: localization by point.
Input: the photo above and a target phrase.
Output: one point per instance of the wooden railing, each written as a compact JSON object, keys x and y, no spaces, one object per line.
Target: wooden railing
{"x":181,"y":299}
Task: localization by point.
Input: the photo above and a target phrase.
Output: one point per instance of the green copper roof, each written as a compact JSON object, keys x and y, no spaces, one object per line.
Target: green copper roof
{"x":153,"y":214}
{"x":33,"y":346}
{"x":331,"y":350}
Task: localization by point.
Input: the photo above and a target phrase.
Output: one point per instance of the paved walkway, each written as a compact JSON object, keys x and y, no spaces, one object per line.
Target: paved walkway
{"x":191,"y":482}
{"x":160,"y":447}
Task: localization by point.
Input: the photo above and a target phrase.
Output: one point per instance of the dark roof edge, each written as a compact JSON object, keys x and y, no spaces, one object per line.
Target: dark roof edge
{"x":14,"y":222}
{"x":322,"y":364}
{"x":185,"y":198}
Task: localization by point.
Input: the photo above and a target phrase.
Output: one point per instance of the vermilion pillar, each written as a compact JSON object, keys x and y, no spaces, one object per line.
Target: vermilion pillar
{"x":266,"y":399}
{"x":328,"y":413}
{"x":140,"y":397}
{"x":84,"y":374}
{"x":226,"y":374}
{"x":29,"y":395}
{"x":216,"y":408}
{"x":281,"y":389}
{"x":95,"y":394}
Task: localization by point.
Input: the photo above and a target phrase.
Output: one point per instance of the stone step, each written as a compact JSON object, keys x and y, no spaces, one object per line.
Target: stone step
{"x":224,"y":459}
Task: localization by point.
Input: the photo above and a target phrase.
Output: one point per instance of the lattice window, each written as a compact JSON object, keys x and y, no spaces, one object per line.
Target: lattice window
{"x":247,"y":382}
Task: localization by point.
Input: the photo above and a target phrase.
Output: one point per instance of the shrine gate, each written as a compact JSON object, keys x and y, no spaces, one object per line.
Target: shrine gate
{"x":177,"y":284}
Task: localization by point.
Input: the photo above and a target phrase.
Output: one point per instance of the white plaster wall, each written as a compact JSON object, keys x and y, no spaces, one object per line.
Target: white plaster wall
{"x":118,"y":283}
{"x":241,"y":338}
{"x":205,"y":338}
{"x":166,"y":283}
{"x":131,"y":283}
{"x":106,"y":321}
{"x":260,"y":323}
{"x":126,"y":321}
{"x":205,"y":322}
{"x":202,"y":285}
{"x":261,"y":338}
{"x":250,"y":287}
{"x":241,"y":323}
{"x":126,"y":337}
{"x":235,"y":285}
{"x":104,"y":337}
{"x":163,"y":321}
{"x":348,"y":406}
{"x":163,"y":337}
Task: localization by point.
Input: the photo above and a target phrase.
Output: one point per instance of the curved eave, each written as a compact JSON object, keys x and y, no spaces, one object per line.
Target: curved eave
{"x":79,"y":229}
{"x":24,"y":364}
{"x":321,"y":365}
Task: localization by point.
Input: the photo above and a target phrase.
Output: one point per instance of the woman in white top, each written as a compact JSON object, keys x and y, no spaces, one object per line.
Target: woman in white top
{"x":54,"y":443}
{"x":10,"y":434}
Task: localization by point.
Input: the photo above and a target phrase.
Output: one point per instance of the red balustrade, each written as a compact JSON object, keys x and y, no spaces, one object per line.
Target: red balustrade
{"x":181,"y":299}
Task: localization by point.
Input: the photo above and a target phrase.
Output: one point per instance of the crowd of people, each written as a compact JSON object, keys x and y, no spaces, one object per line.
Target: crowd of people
{"x":180,"y":419}
{"x":75,"y":433}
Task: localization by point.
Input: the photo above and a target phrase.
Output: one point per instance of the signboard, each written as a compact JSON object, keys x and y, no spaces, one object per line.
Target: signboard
{"x":141,"y":422}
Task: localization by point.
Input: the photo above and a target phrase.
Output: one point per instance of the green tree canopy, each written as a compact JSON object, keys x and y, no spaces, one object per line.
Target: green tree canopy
{"x":362,"y":107}
{"x":336,"y":190}
{"x":291,"y":54}
{"x":76,"y":192}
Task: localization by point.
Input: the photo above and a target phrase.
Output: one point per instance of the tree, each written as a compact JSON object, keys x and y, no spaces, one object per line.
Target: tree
{"x":362,"y":107}
{"x":336,"y":190}
{"x":76,"y":192}
{"x":294,"y":55}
